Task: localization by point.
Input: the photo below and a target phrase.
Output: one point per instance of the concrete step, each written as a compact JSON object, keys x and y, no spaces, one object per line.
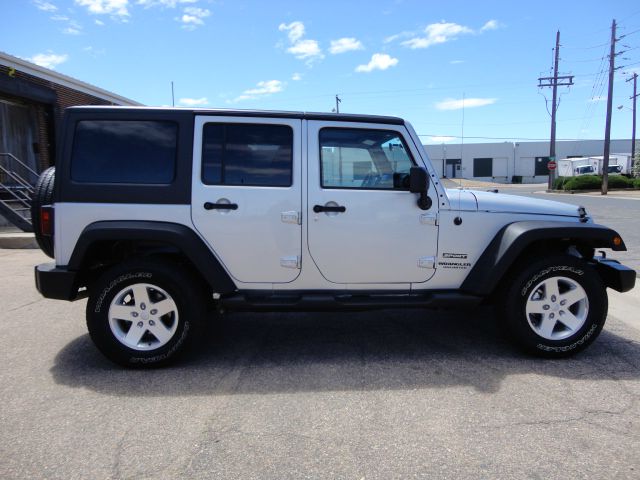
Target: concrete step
{"x":16,"y":240}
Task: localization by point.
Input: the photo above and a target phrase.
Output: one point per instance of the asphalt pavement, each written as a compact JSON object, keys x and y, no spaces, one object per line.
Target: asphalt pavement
{"x":374,"y":395}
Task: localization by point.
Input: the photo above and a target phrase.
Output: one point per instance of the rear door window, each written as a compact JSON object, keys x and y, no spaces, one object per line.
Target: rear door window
{"x":247,"y":154}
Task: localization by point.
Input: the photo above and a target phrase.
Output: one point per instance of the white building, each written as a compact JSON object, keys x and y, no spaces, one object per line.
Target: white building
{"x":501,"y":162}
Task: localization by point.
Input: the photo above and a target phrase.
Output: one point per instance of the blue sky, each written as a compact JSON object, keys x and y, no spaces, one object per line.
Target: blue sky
{"x":415,"y":59}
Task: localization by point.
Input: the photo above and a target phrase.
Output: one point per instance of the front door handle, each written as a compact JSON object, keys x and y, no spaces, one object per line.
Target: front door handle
{"x":323,"y":208}
{"x":220,"y":206}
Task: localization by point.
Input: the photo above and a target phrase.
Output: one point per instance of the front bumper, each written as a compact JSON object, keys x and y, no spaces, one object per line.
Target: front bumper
{"x":57,"y":282}
{"x":614,"y":274}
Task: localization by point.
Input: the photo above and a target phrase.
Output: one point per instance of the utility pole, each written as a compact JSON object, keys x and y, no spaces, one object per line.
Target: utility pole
{"x":633,"y":122}
{"x":554,"y":82}
{"x":338,"y":102}
{"x":607,"y":129}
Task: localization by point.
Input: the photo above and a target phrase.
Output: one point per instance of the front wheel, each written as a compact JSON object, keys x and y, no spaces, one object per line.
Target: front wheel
{"x":143,"y":313}
{"x":555,"y":307}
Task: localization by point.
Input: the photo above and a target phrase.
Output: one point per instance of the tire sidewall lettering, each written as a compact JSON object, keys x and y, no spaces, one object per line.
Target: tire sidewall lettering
{"x":115,"y":283}
{"x":546,"y":271}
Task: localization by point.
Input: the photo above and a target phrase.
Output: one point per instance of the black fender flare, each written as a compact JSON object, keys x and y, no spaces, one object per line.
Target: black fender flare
{"x":515,"y":237}
{"x":182,"y":237}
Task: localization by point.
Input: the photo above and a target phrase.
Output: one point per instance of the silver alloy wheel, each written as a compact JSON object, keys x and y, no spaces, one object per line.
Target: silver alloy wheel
{"x":557,"y":308}
{"x":143,"y":317}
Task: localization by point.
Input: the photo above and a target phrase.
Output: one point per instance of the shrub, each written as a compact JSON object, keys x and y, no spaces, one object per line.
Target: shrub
{"x":559,"y":182}
{"x":583,"y":182}
{"x":618,"y":181}
{"x":593,"y":182}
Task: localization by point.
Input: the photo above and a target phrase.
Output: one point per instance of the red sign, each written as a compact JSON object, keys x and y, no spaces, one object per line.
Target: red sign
{"x":551,"y":165}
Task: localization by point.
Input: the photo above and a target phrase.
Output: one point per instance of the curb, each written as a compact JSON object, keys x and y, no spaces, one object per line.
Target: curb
{"x":593,"y":191}
{"x":18,"y":241}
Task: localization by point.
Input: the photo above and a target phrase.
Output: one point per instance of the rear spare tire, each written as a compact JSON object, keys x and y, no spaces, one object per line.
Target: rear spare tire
{"x":43,"y":195}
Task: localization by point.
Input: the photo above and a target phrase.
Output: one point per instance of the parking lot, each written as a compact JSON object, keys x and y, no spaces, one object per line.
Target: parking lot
{"x":392,"y":394}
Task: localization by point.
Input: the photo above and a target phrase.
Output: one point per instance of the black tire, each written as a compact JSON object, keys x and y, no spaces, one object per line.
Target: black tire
{"x":160,"y":280}
{"x":531,"y":330}
{"x":43,"y":195}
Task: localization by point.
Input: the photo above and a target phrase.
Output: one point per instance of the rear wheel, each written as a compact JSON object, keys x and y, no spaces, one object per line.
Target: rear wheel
{"x":144,"y":313}
{"x":555,"y":307}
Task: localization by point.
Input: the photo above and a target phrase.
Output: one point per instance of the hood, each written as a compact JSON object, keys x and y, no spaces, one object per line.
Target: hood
{"x":498,"y":202}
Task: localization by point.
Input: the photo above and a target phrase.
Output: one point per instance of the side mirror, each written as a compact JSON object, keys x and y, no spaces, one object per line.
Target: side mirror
{"x":419,"y":183}
{"x":418,"y":180}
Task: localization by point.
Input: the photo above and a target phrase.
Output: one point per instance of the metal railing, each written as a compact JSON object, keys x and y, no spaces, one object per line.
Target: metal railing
{"x":21,"y":170}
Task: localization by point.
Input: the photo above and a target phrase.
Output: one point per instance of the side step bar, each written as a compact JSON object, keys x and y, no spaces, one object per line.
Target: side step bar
{"x":310,"y":301}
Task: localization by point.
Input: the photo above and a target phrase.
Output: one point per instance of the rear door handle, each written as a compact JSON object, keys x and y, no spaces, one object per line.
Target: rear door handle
{"x":323,"y":208}
{"x":220,"y":206}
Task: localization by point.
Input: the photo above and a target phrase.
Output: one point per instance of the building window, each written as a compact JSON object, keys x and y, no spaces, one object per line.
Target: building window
{"x":247,"y":154}
{"x":483,"y":167}
{"x":362,"y":158}
{"x":542,"y":167}
{"x":124,"y":151}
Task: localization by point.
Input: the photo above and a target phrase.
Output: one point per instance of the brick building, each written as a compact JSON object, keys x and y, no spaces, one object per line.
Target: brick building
{"x":32,"y":100}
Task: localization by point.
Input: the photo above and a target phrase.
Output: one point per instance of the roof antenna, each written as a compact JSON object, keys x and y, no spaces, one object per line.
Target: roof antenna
{"x":173,"y":100}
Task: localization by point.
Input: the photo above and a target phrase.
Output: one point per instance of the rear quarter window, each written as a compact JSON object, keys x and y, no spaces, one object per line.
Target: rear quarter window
{"x":124,"y":152}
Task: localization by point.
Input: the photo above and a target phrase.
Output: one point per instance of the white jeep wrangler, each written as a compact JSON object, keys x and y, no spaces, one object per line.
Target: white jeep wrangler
{"x":157,"y":215}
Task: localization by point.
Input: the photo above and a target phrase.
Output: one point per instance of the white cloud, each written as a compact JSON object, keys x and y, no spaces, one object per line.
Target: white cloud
{"x":305,"y":49}
{"x":116,"y":8}
{"x":193,"y":17}
{"x":346,"y":44}
{"x":301,"y":48}
{"x":60,"y":18}
{"x":437,"y":33}
{"x":72,"y":31}
{"x":193,"y":102}
{"x":490,"y":25}
{"x":456,"y":62}
{"x":600,"y":98}
{"x":397,"y":36}
{"x":99,"y":22}
{"x":45,"y":6}
{"x":295,"y":30}
{"x":94,"y":52}
{"x":296,"y":77}
{"x":262,"y":89}
{"x":73,"y":28}
{"x":458,"y":103}
{"x":379,"y":61}
{"x":441,"y":139}
{"x":163,"y":3}
{"x":49,"y":59}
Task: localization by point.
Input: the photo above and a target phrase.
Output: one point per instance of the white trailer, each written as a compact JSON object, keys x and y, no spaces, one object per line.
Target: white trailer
{"x":573,"y":167}
{"x":619,"y":163}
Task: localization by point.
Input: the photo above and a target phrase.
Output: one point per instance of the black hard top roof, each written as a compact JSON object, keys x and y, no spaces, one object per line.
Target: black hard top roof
{"x":336,"y":117}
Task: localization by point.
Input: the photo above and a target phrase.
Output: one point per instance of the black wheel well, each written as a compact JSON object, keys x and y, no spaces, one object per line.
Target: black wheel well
{"x":542,"y":248}
{"x":104,"y":254}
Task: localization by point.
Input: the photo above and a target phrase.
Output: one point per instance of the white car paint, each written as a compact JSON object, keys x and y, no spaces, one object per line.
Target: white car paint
{"x":257,"y":244}
{"x":498,"y":202}
{"x":380,"y":238}
{"x":376,"y":245}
